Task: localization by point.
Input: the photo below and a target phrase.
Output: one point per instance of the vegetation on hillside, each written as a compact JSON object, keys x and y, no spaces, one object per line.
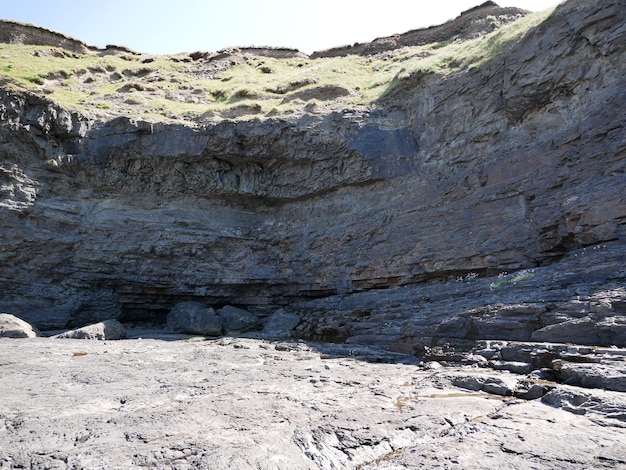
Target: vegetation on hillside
{"x":239,"y":85}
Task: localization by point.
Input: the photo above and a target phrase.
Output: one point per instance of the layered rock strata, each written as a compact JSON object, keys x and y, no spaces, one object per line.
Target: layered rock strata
{"x":359,"y":222}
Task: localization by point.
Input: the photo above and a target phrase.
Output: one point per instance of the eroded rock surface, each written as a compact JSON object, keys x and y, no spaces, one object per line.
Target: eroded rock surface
{"x":243,"y":403}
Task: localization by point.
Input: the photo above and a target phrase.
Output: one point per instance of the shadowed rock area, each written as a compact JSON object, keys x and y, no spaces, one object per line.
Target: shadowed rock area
{"x":469,"y":225}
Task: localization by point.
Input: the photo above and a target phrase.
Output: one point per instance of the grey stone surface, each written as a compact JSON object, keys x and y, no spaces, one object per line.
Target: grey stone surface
{"x":13,"y":327}
{"x":243,"y":403}
{"x":516,"y":367}
{"x":194,"y":318}
{"x":105,"y":330}
{"x":583,"y":366}
{"x":313,"y":213}
{"x":599,"y":375}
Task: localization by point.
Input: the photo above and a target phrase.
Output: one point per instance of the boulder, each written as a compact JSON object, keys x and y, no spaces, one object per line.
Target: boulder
{"x":195,"y":319}
{"x":237,"y":320}
{"x":13,"y":327}
{"x":105,"y":330}
{"x":498,"y":385}
{"x":612,"y":331}
{"x":568,"y":398}
{"x":513,"y":366}
{"x":280,"y":324}
{"x":473,"y":359}
{"x":607,"y":375}
{"x":578,"y":331}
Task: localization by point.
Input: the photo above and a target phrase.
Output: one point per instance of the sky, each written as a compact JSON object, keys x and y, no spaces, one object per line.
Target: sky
{"x":174,"y":26}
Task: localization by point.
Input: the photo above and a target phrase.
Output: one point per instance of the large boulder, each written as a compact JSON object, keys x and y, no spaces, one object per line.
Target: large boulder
{"x":237,"y":320}
{"x":195,"y":319}
{"x":280,"y":324}
{"x":604,"y":375}
{"x":579,"y":331}
{"x":106,"y":330}
{"x":13,"y":327}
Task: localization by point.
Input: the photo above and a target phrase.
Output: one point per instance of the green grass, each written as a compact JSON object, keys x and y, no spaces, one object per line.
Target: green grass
{"x":168,"y":88}
{"x":506,"y":278}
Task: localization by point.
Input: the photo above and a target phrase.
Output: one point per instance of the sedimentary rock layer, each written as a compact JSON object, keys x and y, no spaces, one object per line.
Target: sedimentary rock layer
{"x":518,"y":163}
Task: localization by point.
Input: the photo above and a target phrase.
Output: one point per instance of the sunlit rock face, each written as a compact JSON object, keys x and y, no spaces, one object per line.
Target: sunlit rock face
{"x":388,"y":226}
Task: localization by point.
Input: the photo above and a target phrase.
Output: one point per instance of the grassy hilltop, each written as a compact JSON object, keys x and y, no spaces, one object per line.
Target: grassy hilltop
{"x":235,"y":83}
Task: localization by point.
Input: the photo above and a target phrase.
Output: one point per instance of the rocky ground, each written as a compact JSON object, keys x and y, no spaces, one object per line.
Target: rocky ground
{"x":166,"y":401}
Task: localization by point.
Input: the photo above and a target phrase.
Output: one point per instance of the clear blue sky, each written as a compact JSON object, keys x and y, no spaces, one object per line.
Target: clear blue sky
{"x":171,"y":26}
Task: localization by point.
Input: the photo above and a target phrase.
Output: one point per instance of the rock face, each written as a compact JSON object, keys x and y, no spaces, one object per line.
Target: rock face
{"x":12,"y":32}
{"x":357,"y":222}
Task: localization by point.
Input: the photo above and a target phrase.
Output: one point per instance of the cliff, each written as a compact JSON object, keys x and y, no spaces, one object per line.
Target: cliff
{"x":390,"y":223}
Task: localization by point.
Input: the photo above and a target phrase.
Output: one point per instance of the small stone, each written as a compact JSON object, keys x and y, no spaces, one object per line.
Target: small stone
{"x":542,"y":374}
{"x":534,"y":392}
{"x":502,"y":385}
{"x":568,"y":399}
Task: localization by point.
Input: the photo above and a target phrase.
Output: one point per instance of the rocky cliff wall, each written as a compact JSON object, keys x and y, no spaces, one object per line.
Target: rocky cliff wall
{"x":360,"y":222}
